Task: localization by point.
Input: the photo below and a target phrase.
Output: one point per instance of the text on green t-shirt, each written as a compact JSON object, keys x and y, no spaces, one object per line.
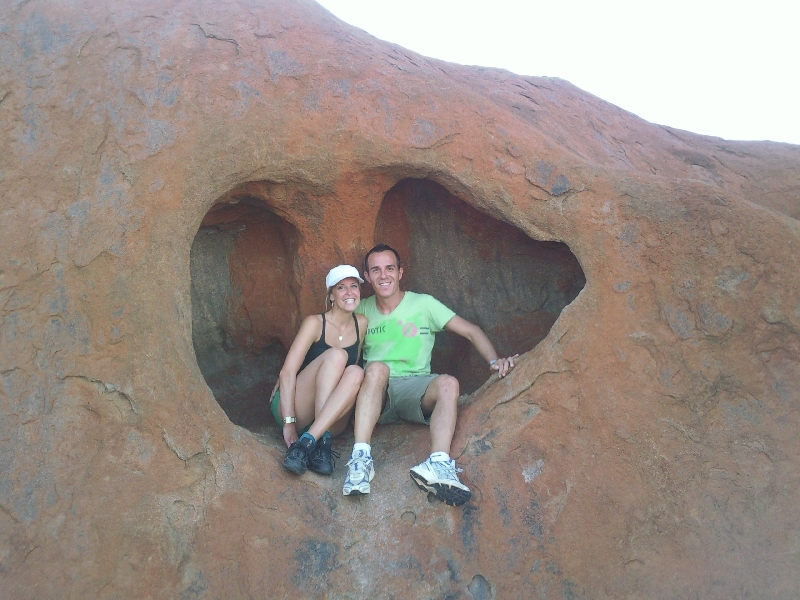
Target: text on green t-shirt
{"x":404,"y":338}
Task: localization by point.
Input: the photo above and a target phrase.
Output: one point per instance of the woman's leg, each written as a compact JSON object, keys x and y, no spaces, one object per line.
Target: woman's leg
{"x":326,"y":393}
{"x":336,"y":412}
{"x":315,"y":384}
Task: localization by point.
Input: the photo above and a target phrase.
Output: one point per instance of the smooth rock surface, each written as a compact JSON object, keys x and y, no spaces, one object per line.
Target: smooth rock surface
{"x":646,"y":447}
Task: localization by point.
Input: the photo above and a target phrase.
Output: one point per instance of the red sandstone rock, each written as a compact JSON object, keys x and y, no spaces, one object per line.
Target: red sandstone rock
{"x":647,"y":447}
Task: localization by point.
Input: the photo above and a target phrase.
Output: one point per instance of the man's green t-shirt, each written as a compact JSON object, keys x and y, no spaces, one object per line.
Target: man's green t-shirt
{"x":404,"y":338}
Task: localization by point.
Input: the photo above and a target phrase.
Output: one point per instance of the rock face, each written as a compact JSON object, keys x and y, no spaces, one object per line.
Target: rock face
{"x":176,"y":180}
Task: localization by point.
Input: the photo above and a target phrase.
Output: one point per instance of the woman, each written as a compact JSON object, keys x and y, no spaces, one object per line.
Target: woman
{"x":318,"y":383}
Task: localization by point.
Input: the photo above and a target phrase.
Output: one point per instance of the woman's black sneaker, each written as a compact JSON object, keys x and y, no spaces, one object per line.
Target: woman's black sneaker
{"x":297,"y":456}
{"x":321,"y":460}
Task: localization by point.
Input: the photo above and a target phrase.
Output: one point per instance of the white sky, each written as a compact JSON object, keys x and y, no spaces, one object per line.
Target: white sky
{"x":725,"y":68}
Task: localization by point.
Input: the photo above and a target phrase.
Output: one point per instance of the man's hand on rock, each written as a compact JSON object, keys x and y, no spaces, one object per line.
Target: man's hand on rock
{"x":503,"y":365}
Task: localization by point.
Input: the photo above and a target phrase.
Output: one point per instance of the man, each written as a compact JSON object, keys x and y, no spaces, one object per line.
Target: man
{"x":398,"y":384}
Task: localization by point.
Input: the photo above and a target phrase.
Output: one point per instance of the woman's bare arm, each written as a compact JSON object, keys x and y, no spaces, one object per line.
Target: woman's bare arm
{"x":310,"y":330}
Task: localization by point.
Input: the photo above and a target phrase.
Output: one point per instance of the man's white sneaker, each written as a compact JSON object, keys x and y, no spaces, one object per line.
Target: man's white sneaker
{"x":441,"y":479}
{"x":359,"y":473}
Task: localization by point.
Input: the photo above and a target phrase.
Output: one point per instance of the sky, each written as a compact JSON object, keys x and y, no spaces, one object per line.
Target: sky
{"x":730,"y":68}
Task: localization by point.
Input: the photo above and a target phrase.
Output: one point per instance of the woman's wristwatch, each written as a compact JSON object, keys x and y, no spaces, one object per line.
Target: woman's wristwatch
{"x":287,"y":420}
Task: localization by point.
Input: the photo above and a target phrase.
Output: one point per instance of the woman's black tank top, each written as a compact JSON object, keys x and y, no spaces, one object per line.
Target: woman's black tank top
{"x":321,"y":345}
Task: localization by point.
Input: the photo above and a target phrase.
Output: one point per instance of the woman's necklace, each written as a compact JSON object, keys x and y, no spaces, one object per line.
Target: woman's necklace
{"x":341,"y":335}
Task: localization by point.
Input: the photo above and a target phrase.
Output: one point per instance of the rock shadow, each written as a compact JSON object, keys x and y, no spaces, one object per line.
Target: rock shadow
{"x":488,"y":271}
{"x":244,"y":304}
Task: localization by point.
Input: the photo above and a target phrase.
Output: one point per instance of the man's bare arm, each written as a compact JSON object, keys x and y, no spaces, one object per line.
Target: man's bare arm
{"x":482,"y":344}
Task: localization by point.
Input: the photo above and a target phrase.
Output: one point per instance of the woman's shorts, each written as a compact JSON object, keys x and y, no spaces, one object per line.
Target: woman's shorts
{"x":275,"y":406}
{"x":404,"y":401}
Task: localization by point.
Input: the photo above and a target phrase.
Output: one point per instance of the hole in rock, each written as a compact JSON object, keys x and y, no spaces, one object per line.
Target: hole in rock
{"x":244,"y":305}
{"x":244,"y":282}
{"x":487,"y":271}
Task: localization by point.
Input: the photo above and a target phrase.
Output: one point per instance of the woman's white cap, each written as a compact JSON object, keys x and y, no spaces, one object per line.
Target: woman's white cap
{"x":336,"y":274}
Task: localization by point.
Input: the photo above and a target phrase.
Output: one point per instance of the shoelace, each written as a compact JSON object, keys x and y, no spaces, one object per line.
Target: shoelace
{"x":296,"y":450}
{"x":334,"y":456}
{"x":360,"y":469}
{"x":448,"y":469}
{"x":360,"y":462}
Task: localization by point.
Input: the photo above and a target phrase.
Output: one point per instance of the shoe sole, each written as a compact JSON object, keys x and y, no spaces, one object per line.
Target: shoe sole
{"x":449,"y":494}
{"x":296,"y":470}
{"x":364,"y":488}
{"x":356,"y":492}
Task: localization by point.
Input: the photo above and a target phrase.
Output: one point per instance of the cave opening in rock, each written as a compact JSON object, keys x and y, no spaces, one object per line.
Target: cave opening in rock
{"x":246,"y":273}
{"x":488,"y":271}
{"x":244,"y":303}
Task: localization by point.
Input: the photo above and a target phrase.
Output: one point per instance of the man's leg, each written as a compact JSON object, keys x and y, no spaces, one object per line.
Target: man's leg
{"x":369,"y":403}
{"x":440,"y":402}
{"x":439,"y":474}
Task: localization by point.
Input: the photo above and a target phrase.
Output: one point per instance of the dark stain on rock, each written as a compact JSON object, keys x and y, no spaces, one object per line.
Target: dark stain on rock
{"x":196,"y":588}
{"x":452,"y":568}
{"x":560,"y":186}
{"x":532,"y":519}
{"x":469,"y":522}
{"x":501,"y":503}
{"x":714,"y":323}
{"x":480,"y":588}
{"x":568,"y":590}
{"x":340,"y":88}
{"x":280,"y":63}
{"x":526,"y":113}
{"x":697,"y":159}
{"x":315,"y":561}
{"x":629,"y":233}
{"x":513,"y":150}
{"x":540,"y":174}
{"x":553,"y":568}
{"x":425,"y":134}
{"x":622,"y":286}
{"x":408,"y":564}
{"x":482,"y":445}
{"x":311,"y":210}
{"x":680,"y":321}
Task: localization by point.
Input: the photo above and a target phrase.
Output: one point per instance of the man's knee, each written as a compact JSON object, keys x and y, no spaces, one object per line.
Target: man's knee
{"x":377,"y":371}
{"x":373,"y":388}
{"x":442,"y":391}
{"x":446,"y":388}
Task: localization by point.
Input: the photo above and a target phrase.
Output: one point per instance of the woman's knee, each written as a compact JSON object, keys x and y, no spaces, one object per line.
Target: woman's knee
{"x":354,"y":374}
{"x":336,"y":356}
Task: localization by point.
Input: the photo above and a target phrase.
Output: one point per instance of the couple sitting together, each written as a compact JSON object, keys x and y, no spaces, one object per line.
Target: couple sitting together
{"x":321,"y":382}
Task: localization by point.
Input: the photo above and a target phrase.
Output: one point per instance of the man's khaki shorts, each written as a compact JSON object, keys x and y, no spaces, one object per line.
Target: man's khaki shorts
{"x":404,"y":401}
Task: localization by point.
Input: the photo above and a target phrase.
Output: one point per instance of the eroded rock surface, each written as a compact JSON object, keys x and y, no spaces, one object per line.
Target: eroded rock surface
{"x":176,"y":180}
